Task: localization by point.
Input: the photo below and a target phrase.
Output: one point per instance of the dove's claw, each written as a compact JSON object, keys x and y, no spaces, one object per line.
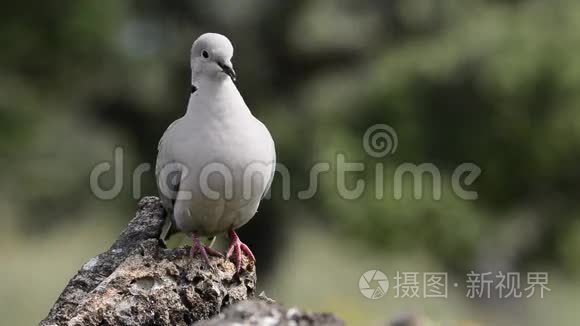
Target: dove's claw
{"x":203,"y":250}
{"x":236,"y":249}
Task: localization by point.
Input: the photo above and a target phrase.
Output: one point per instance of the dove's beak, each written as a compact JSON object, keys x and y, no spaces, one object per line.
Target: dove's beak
{"x":228,"y":70}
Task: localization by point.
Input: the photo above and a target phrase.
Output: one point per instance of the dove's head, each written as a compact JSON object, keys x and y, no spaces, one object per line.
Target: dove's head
{"x":211,"y":57}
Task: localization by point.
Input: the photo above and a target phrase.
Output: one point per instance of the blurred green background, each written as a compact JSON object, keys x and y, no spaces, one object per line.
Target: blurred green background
{"x":495,"y":83}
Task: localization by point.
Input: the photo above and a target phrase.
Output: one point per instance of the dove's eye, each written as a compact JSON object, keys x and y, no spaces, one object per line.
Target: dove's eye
{"x":204,"y":54}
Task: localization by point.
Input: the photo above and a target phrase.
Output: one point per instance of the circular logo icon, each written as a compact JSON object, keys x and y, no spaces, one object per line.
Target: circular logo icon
{"x":373,"y":284}
{"x":380,"y":140}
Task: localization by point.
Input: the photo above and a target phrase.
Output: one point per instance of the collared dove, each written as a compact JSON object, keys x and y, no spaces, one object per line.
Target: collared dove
{"x":215,"y":163}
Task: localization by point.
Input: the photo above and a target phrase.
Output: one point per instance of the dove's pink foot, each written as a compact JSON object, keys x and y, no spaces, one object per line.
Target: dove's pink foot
{"x":236,"y":248}
{"x":203,"y":249}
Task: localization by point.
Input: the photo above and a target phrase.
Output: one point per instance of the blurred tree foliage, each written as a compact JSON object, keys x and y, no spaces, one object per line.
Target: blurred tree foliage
{"x":491,"y":82}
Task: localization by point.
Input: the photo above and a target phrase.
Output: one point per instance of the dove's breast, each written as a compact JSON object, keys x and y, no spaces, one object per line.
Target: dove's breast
{"x":228,"y":164}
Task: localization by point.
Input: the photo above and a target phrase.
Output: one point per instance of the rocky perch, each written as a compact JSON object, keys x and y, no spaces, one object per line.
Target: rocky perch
{"x":140,"y":282}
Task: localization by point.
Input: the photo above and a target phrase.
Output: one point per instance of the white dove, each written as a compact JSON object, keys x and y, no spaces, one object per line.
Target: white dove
{"x":217,"y":161}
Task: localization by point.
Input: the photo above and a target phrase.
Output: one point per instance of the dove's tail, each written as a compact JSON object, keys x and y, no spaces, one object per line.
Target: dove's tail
{"x":171,"y":235}
{"x":168,"y":228}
